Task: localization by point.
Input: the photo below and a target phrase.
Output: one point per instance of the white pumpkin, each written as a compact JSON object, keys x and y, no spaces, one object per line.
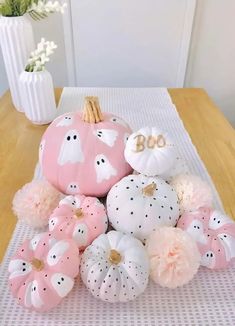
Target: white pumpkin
{"x":138,"y":204}
{"x":115,"y":267}
{"x":150,"y":151}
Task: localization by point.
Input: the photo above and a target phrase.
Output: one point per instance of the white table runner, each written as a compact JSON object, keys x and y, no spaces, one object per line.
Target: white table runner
{"x":209,"y":299}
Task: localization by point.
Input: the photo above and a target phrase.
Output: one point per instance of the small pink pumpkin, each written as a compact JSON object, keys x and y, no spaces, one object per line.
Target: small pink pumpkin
{"x":79,"y":217}
{"x":84,"y":153}
{"x":42,"y":271}
{"x":214,"y":233}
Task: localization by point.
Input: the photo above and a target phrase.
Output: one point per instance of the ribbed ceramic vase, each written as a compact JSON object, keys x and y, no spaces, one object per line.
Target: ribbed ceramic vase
{"x":37,"y":96}
{"x":17,"y":42}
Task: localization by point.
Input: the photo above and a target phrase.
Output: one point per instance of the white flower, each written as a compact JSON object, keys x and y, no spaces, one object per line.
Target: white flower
{"x":46,"y":7}
{"x":40,"y":56}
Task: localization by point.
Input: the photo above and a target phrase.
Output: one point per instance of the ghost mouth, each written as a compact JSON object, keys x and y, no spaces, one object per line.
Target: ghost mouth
{"x":114,"y":257}
{"x":79,"y":213}
{"x":37,"y":264}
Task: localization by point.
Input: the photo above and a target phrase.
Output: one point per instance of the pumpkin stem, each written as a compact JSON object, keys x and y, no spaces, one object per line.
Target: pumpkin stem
{"x":92,"y":112}
{"x":149,"y":189}
{"x":114,"y":257}
{"x":37,"y":264}
{"x":79,"y":213}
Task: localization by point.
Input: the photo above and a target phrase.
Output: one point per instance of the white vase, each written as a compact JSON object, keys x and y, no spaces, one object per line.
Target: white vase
{"x":17,"y":42}
{"x":37,"y":96}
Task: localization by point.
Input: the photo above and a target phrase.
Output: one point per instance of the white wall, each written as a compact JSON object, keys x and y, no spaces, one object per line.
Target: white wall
{"x":212,"y":54}
{"x":211,"y":61}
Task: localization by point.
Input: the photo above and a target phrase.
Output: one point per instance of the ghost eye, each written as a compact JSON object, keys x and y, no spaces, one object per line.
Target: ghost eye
{"x":74,"y":137}
{"x":98,"y":162}
{"x":211,"y":255}
{"x":207,"y":255}
{"x":66,"y":118}
{"x":218,"y":222}
{"x":195,"y":227}
{"x":54,"y":256}
{"x":198,"y":227}
{"x":75,"y":186}
{"x":214,"y":219}
{"x":102,"y":160}
{"x":114,"y":120}
{"x":68,"y":138}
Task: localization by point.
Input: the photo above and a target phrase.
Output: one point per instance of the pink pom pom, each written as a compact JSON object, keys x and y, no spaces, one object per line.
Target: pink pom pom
{"x":34,"y":203}
{"x":192,"y":192}
{"x":174,"y":257}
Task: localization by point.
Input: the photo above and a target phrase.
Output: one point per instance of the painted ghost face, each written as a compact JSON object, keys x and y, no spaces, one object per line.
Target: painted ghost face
{"x":65,"y":121}
{"x":208,"y":259}
{"x":52,"y":223}
{"x":119,"y":121}
{"x":107,"y":136}
{"x":56,"y":252}
{"x":32,"y":297}
{"x":73,"y":188}
{"x":41,"y":149}
{"x":19,"y":267}
{"x":70,"y":151}
{"x":217,"y":220}
{"x":80,"y":234}
{"x":195,"y":229}
{"x":72,"y":201}
{"x":103,"y":168}
{"x":62,"y":284}
{"x":34,"y":241}
{"x":228,"y":242}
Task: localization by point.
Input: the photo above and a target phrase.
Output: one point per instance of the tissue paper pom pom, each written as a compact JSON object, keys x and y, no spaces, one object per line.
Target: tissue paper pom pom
{"x":174,"y":257}
{"x":192,"y":192}
{"x":34,"y":203}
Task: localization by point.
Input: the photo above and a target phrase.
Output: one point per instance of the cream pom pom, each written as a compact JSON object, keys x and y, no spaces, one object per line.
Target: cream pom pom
{"x":192,"y":192}
{"x":34,"y":203}
{"x":174,"y":257}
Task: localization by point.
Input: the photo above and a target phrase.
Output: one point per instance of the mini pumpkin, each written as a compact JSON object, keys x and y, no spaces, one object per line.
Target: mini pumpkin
{"x":150,"y":151}
{"x":115,"y":267}
{"x":42,"y":271}
{"x":84,"y":152}
{"x":79,"y":217}
{"x":138,"y":204}
{"x":214,"y":233}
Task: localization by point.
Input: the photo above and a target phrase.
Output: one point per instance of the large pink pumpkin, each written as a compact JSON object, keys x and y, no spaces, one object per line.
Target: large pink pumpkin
{"x":214,"y":233}
{"x":79,"y":217}
{"x":84,"y":153}
{"x":42,"y":271}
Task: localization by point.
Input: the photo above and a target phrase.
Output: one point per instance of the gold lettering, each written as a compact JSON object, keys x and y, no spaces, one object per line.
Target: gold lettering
{"x":151,"y":142}
{"x":161,"y":142}
{"x":140,"y":143}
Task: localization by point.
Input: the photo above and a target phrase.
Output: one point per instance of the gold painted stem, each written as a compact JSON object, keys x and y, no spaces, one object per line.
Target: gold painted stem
{"x":149,"y":189}
{"x":92,"y":111}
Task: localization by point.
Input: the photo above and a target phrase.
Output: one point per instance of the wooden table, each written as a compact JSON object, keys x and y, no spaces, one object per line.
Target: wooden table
{"x":211,"y":133}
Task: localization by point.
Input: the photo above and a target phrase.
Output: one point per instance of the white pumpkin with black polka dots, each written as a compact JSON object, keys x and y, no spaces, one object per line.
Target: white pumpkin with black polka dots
{"x":115,"y":267}
{"x":138,"y":204}
{"x":150,"y":151}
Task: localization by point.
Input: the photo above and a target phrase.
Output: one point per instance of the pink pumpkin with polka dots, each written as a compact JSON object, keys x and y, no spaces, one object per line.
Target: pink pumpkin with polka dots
{"x":42,"y":271}
{"x":79,"y":217}
{"x":83,"y":153}
{"x":214,"y":233}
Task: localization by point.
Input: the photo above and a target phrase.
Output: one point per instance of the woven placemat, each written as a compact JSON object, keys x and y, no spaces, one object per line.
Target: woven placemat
{"x":207,"y":300}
